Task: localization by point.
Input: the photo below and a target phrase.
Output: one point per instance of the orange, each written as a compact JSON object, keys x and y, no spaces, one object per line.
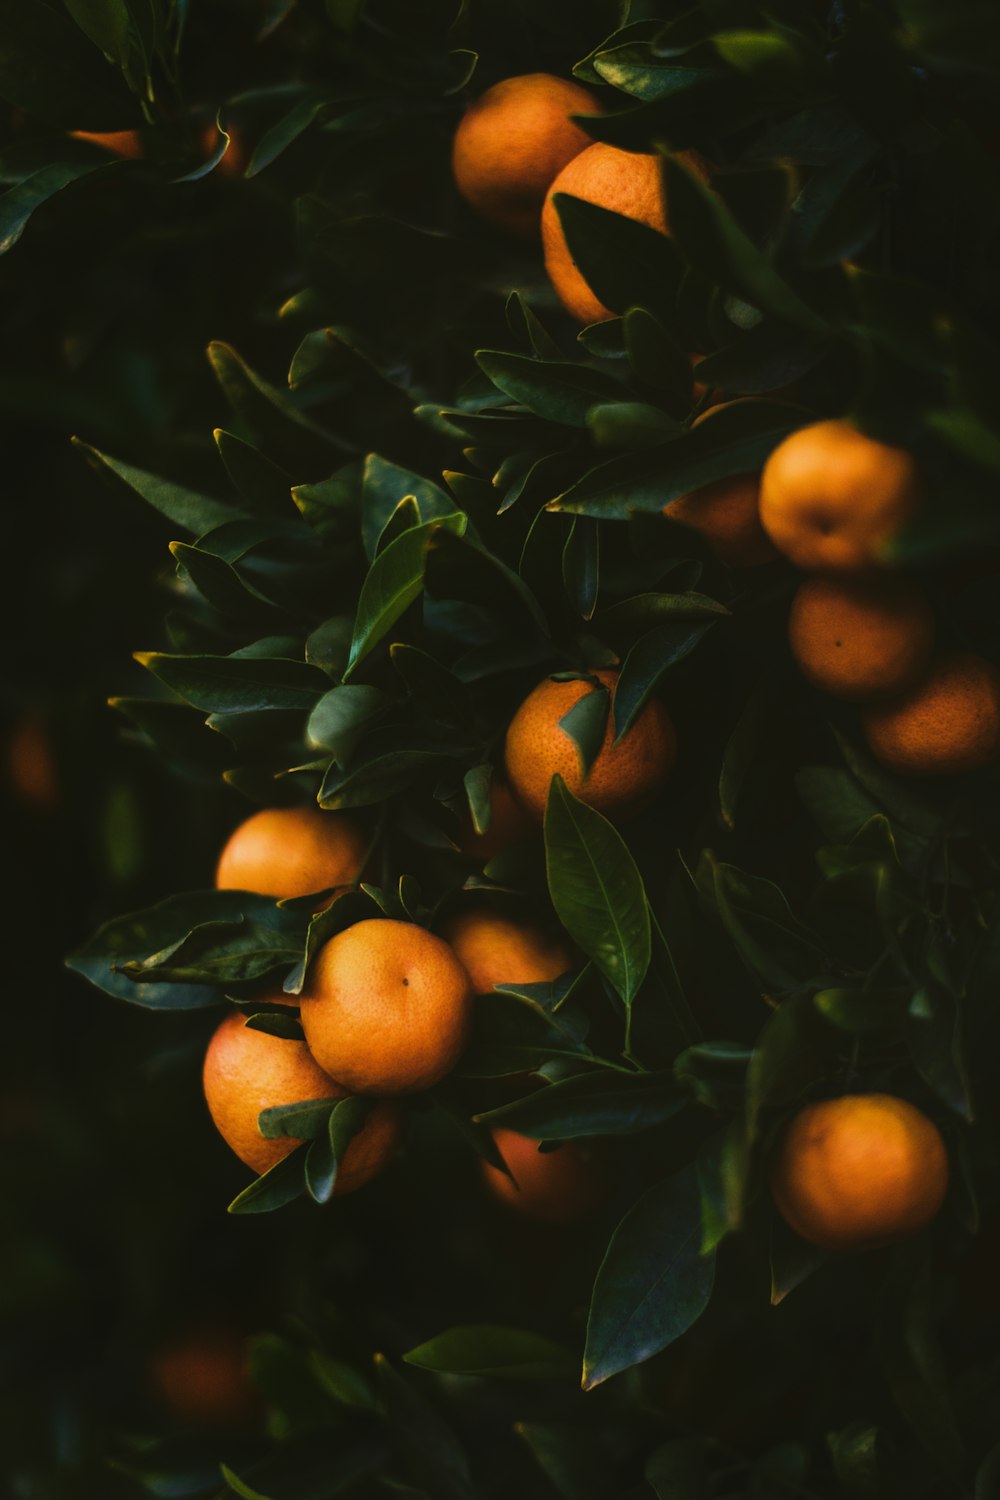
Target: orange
{"x":494,"y":950}
{"x":509,"y":823}
{"x":623,"y":777}
{"x":247,"y":1071}
{"x":120,"y":142}
{"x":832,"y":499}
{"x":203,"y":1378}
{"x":625,"y":182}
{"x":387,"y":1007}
{"x":513,"y":141}
{"x":854,"y":1172}
{"x":292,"y":851}
{"x":950,"y":722}
{"x":725,"y":513}
{"x":31,"y":764}
{"x":553,"y":1187}
{"x":855,"y":637}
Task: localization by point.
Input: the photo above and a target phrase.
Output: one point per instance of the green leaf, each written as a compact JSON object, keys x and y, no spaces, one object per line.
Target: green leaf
{"x":52,"y":72}
{"x":393,"y":582}
{"x":581,"y":565}
{"x":490,"y":1350}
{"x":237,"y":684}
{"x":557,"y":391}
{"x":133,"y":937}
{"x":625,"y":264}
{"x":194,"y":512}
{"x":281,"y":1184}
{"x":384,"y":485}
{"x":283,"y":133}
{"x":678,"y":1470}
{"x":239,"y":1486}
{"x":343,"y":716}
{"x":779,"y":951}
{"x":18,"y":203}
{"x":652,"y":656}
{"x":263,"y":487}
{"x":326,"y":1150}
{"x":597,"y":890}
{"x":303,"y":1121}
{"x":589,"y":1104}
{"x":713,"y":241}
{"x":735,"y":438}
{"x":854,"y":1455}
{"x":586,"y":724}
{"x":225,"y":952}
{"x":653,"y":1283}
{"x":288,"y":437}
{"x":431,"y":1452}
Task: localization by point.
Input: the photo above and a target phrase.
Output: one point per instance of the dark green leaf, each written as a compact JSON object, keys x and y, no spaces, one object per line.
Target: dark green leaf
{"x":282,"y":1184}
{"x":393,"y":582}
{"x":653,"y":1283}
{"x":597,"y":890}
{"x":592,"y":1104}
{"x":487,"y":1349}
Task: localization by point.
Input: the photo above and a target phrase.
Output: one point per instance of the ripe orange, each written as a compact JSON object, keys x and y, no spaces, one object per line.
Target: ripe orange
{"x":725,"y":513}
{"x":854,"y":1172}
{"x":623,"y":777}
{"x":553,"y":1187}
{"x":625,"y":182}
{"x":387,"y":1007}
{"x":855,"y":637}
{"x":509,"y":823}
{"x":494,"y":950}
{"x":203,"y":1378}
{"x":948,"y":723}
{"x":292,"y":851}
{"x":119,"y":142}
{"x":835,"y":500}
{"x":247,"y":1071}
{"x":513,"y":141}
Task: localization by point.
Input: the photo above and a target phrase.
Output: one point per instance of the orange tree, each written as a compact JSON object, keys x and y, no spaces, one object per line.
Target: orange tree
{"x":509,"y":589}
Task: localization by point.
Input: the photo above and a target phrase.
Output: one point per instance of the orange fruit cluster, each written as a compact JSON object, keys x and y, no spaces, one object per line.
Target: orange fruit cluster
{"x":386,"y":1010}
{"x":835,"y":501}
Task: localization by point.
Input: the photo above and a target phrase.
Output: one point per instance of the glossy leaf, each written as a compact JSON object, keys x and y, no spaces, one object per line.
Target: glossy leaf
{"x":393,"y":582}
{"x":590,"y":1104}
{"x":597,"y":890}
{"x":653,"y":1283}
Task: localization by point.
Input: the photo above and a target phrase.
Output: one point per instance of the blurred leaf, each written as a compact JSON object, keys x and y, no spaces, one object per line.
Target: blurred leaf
{"x":712,"y":240}
{"x":18,"y":203}
{"x":239,"y":1486}
{"x":854,"y":1455}
{"x":195,"y":513}
{"x":431,"y":1452}
{"x":501,"y":1353}
{"x":654,"y":1281}
{"x":779,"y":951}
{"x":597,"y":890}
